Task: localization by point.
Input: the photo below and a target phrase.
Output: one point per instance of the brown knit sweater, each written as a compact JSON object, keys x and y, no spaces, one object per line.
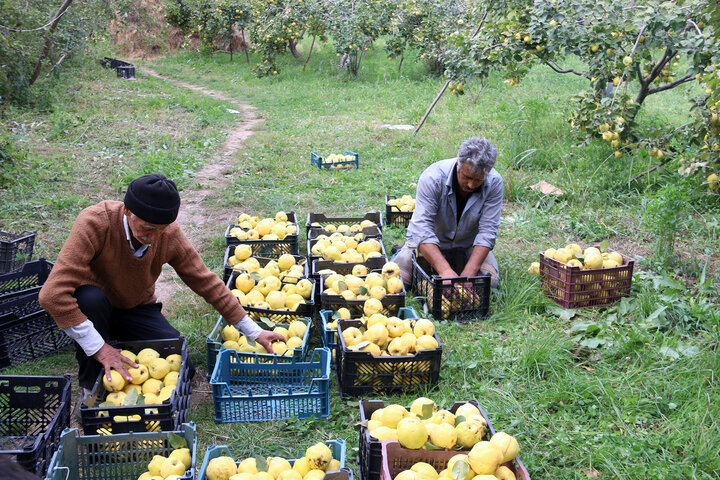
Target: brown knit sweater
{"x":97,"y":253}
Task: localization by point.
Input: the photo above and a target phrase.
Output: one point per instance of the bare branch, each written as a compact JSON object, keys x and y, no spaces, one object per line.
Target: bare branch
{"x":432,"y":105}
{"x":668,"y":86}
{"x":637,"y":40}
{"x":690,"y":21}
{"x":559,"y":70}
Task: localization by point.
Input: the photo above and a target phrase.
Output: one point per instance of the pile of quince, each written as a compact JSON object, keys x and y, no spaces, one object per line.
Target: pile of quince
{"x":574,"y":256}
{"x":484,"y":462}
{"x":355,"y":227}
{"x":250,"y":227}
{"x":317,"y":460}
{"x":153,"y":381}
{"x":293,"y":333}
{"x":171,"y":467}
{"x":391,"y":336}
{"x":279,"y":285}
{"x":349,"y":249}
{"x":406,"y":203}
{"x":373,"y":287}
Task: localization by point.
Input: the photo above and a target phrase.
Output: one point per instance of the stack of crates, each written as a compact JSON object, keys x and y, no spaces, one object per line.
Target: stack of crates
{"x":27,"y":332}
{"x":34,"y":411}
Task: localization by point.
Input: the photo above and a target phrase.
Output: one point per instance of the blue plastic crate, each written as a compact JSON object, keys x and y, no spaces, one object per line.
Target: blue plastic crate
{"x":321,"y":162}
{"x":117,"y":456}
{"x":329,"y":336}
{"x":337,"y":446}
{"x":248,"y":389}
{"x":215,"y":344}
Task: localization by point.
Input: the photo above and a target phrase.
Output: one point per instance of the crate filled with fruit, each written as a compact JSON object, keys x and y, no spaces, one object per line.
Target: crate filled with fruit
{"x":279,"y":290}
{"x":157,"y":397}
{"x":296,"y":345}
{"x":574,"y":277}
{"x":387,"y":354}
{"x":323,"y":460}
{"x":167,"y":455}
{"x":335,"y":161}
{"x":376,"y":292}
{"x":341,"y":253}
{"x":253,"y":388}
{"x":399,"y":210}
{"x":427,"y":433}
{"x":268,"y":236}
{"x":329,"y":326}
{"x":345,"y":225}
{"x":458,"y":298}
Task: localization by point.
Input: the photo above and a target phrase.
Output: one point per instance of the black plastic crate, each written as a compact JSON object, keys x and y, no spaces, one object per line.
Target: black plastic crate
{"x":323,"y":164}
{"x":24,"y":282}
{"x":361,"y":373}
{"x":394,"y":216}
{"x":372,"y":231}
{"x":233,"y":240}
{"x":15,"y":250}
{"x":34,"y":411}
{"x":272,"y":249}
{"x":370,"y":457}
{"x":345,"y":268}
{"x":321,"y":220}
{"x":228,"y":270}
{"x":306,"y":309}
{"x":121,"y":456}
{"x":28,"y":332}
{"x":459,"y":298}
{"x":168,"y":415}
{"x":392,"y":302}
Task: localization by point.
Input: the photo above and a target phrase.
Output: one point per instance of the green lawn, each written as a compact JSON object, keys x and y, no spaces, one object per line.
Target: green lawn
{"x":628,"y":392}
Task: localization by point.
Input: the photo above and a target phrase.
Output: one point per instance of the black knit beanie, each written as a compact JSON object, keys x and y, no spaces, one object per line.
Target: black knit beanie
{"x":153,"y":198}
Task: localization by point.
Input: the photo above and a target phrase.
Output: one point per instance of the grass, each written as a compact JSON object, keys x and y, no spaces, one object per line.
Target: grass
{"x":643,"y":403}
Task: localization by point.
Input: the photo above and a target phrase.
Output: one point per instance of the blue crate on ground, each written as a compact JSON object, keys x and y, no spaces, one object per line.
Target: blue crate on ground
{"x":249,"y":388}
{"x":325,"y":163}
{"x":215,"y":344}
{"x":117,"y":456}
{"x":329,"y":335}
{"x":337,"y":446}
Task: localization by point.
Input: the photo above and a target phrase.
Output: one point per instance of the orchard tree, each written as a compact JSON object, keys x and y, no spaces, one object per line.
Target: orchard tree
{"x":629,"y":51}
{"x":423,"y":27}
{"x":219,"y":20}
{"x":354,"y":25}
{"x":278,"y":25}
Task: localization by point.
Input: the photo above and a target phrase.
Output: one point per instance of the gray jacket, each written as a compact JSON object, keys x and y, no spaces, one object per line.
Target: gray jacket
{"x":435,"y":217}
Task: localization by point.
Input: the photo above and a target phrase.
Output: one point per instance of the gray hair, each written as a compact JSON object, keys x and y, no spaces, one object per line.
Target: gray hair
{"x":478,"y":153}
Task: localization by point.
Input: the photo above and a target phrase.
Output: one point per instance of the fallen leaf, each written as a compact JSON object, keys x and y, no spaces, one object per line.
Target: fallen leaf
{"x":546,"y":188}
{"x":587,"y":368}
{"x":591,"y":473}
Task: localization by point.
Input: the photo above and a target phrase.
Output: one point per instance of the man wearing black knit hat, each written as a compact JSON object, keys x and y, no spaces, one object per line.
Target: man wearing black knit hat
{"x":102,"y":287}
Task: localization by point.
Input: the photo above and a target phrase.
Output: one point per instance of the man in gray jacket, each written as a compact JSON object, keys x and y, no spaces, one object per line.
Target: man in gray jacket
{"x":457,"y":215}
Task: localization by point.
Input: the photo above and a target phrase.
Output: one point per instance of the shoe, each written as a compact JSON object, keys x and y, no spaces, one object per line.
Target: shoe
{"x":78,"y":415}
{"x":395,"y":249}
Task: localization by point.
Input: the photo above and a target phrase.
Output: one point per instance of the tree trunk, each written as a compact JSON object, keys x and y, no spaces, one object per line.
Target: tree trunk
{"x":48,"y":40}
{"x":292,"y":45}
{"x":309,"y":53}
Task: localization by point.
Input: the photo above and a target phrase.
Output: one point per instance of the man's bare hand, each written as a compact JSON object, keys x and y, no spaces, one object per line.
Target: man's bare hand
{"x":267,"y":337}
{"x":111,"y":358}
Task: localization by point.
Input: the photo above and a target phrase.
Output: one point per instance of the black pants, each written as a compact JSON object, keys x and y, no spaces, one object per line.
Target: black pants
{"x":144,"y":322}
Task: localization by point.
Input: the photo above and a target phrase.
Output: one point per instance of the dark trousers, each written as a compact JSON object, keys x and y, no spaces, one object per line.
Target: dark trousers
{"x":144,"y":322}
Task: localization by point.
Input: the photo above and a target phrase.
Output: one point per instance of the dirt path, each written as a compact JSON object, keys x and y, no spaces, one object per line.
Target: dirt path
{"x":194,"y":217}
